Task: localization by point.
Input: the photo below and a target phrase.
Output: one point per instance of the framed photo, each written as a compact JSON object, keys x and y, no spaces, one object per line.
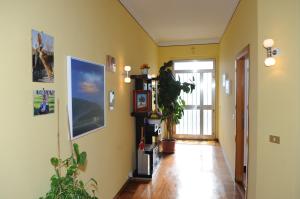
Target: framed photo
{"x":86,"y":101}
{"x":42,"y":57}
{"x":141,"y":101}
{"x":111,"y":99}
{"x":43,"y":102}
{"x":110,"y":63}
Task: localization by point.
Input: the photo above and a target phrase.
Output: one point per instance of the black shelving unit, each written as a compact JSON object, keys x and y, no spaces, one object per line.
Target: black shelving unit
{"x":143,"y":82}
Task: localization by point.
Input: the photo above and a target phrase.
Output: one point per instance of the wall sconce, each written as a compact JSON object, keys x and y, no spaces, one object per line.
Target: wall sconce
{"x":127,"y":78}
{"x":270,"y":60}
{"x":224,"y":78}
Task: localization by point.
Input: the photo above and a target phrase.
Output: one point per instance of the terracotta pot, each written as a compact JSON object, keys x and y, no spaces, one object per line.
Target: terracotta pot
{"x":168,"y":145}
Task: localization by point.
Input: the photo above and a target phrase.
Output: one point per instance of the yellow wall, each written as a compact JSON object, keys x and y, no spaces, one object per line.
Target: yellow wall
{"x":167,"y":53}
{"x":241,"y":31}
{"x":278,"y":166}
{"x":85,"y":29}
{"x":274,"y":97}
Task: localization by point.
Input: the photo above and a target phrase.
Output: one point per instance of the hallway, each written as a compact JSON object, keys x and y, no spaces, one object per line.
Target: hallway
{"x":196,"y":170}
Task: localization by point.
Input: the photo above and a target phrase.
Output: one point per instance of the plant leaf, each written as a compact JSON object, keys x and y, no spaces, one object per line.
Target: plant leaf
{"x":76,"y":149}
{"x":93,"y":180}
{"x":71,"y":170}
{"x":54,"y":161}
{"x":82,"y":158}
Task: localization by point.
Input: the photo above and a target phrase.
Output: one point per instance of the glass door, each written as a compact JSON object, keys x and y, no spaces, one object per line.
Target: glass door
{"x":198,"y":120}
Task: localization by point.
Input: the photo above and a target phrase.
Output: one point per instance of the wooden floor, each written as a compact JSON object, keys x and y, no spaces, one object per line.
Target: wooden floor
{"x":196,"y":171}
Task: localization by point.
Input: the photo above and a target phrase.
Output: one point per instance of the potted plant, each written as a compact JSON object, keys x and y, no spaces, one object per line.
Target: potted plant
{"x":170,"y":103}
{"x":65,"y":182}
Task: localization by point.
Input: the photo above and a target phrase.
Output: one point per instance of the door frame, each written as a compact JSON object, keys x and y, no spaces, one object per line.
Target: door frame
{"x":239,"y":136}
{"x":213,"y":106}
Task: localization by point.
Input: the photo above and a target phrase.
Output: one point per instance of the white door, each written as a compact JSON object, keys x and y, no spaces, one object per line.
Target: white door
{"x":199,"y":115}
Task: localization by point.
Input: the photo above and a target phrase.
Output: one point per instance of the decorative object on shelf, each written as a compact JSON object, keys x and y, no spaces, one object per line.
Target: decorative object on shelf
{"x":111,"y":63}
{"x":86,"y":96}
{"x":141,"y":101}
{"x":145,"y":85}
{"x":142,"y":140}
{"x":153,"y":76}
{"x":42,"y":57}
{"x":143,"y":159}
{"x":43,"y":102}
{"x":65,"y":182}
{"x":127,"y":70}
{"x":155,"y":116}
{"x":270,"y":60}
{"x":111,"y":95}
{"x":170,"y":103}
{"x":227,"y":87}
{"x":145,"y":69}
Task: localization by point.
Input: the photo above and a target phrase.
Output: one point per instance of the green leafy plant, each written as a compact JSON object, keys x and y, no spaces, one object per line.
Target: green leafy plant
{"x":65,"y":183}
{"x":169,"y":100}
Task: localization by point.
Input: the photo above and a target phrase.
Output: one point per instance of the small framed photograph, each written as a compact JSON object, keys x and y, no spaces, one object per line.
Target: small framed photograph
{"x":111,"y":95}
{"x":42,"y":57}
{"x":141,"y":101}
{"x":43,"y":102}
{"x":110,"y":63}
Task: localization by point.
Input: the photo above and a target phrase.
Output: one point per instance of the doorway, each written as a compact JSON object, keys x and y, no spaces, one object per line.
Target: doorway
{"x":198,"y":121}
{"x":242,"y":118}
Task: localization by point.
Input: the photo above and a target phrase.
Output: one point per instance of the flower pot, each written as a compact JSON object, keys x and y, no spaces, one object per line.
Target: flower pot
{"x":168,"y":145}
{"x":145,"y":71}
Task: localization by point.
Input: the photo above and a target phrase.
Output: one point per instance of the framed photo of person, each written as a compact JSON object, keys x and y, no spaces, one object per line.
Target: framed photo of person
{"x":42,"y":57}
{"x":43,"y":102}
{"x":141,"y":101}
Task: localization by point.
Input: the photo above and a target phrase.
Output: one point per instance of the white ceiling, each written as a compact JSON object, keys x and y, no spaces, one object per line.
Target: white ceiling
{"x":182,"y":22}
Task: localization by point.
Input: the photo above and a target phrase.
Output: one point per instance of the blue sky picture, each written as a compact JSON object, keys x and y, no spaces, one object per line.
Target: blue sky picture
{"x":87,"y":80}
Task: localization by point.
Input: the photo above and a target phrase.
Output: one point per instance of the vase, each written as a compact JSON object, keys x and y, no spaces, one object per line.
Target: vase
{"x":145,"y":71}
{"x":168,"y":146}
{"x":168,"y":142}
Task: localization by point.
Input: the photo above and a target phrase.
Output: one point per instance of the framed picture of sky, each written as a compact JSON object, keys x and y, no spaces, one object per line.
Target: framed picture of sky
{"x":86,"y":101}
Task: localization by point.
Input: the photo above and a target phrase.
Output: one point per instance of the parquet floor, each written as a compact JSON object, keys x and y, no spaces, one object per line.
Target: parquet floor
{"x":196,"y":171}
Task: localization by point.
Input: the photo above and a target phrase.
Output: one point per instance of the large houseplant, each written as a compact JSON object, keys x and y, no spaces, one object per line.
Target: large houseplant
{"x":170,"y":103}
{"x":65,"y":183}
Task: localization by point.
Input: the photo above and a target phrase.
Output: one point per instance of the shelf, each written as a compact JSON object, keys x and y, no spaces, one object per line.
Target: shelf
{"x":140,"y":114}
{"x":141,"y":176}
{"x":149,"y":148}
{"x":146,"y":77}
{"x":151,"y":152}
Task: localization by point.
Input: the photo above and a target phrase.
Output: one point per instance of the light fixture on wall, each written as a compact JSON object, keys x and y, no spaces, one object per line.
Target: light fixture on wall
{"x":270,"y":60}
{"x":224,"y":78}
{"x":127,"y":78}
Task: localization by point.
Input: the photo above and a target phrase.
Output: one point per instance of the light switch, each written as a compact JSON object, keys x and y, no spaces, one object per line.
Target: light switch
{"x":274,"y":139}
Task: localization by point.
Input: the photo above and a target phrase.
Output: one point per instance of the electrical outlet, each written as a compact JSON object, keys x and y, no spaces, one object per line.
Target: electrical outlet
{"x":274,"y":139}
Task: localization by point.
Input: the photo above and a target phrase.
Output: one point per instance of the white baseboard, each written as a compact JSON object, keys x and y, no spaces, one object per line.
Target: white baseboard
{"x":227,"y":163}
